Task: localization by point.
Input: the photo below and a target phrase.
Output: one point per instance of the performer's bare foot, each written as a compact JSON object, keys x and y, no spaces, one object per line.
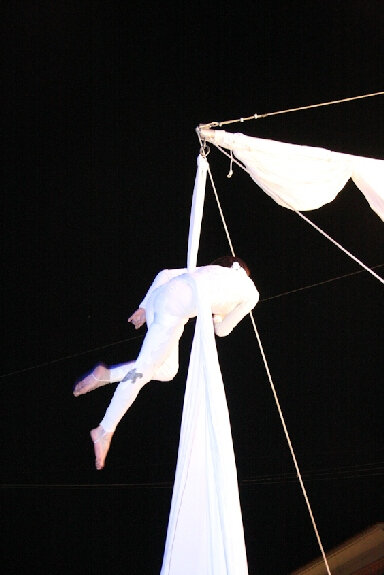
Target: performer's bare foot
{"x":98,"y":377}
{"x":101,"y":443}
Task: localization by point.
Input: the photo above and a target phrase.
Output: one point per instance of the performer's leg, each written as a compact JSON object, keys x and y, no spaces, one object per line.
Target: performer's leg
{"x":100,"y":376}
{"x":127,"y":391}
{"x":117,"y":372}
{"x":159,"y":343}
{"x":175,"y":304}
{"x":170,"y":367}
{"x":101,"y":442}
{"x":97,"y":378}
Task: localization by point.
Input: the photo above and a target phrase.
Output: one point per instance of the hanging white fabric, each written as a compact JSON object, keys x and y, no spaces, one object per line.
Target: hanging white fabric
{"x":196,"y":214}
{"x":303,"y":177}
{"x":205,"y":531}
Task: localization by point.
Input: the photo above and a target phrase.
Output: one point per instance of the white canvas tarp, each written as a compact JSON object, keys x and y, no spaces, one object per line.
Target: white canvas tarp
{"x":303,"y":177}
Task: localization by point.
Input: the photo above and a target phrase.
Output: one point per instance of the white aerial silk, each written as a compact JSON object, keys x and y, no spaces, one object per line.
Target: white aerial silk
{"x":303,"y":177}
{"x":205,"y":530}
{"x":196,"y":215}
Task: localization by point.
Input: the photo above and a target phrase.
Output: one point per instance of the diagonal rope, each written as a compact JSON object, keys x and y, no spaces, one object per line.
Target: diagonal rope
{"x":221,"y":211}
{"x":369,"y":270}
{"x":304,"y":491}
{"x":300,"y":108}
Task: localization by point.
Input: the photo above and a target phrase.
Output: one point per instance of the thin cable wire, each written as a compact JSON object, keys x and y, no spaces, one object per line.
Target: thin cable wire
{"x":303,"y":288}
{"x":276,"y":397}
{"x":58,"y":360}
{"x":300,"y":108}
{"x":262,"y":300}
{"x":365,"y":470}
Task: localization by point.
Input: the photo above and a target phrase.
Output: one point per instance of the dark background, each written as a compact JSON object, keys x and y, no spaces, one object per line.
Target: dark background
{"x":101,"y":104}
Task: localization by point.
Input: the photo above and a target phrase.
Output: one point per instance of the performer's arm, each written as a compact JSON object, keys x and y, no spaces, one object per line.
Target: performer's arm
{"x":138,"y":318}
{"x":223,"y":327}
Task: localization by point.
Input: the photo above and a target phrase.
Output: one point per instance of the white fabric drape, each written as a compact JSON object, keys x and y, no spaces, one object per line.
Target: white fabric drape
{"x":196,"y":215}
{"x":205,"y":531}
{"x":368,"y":175}
{"x":303,"y":177}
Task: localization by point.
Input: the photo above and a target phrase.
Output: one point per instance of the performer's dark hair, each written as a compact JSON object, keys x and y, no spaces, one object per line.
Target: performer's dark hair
{"x":227,"y":262}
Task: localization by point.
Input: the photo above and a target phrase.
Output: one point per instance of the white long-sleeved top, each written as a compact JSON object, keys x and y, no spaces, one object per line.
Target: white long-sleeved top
{"x":231,"y":293}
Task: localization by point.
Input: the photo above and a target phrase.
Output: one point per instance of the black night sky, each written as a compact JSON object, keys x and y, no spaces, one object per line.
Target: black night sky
{"x":99,"y":159}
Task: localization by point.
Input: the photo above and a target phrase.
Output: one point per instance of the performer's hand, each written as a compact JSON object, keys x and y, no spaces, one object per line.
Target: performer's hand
{"x":138,"y":318}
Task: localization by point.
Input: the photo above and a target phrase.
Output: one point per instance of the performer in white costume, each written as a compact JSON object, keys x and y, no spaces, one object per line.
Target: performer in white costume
{"x":167,"y":307}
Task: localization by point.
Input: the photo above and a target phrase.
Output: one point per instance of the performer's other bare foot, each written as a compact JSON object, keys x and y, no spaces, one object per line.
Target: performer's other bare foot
{"x":98,"y":377}
{"x":101,"y":443}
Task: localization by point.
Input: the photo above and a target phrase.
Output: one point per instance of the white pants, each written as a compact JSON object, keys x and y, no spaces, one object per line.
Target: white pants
{"x":168,"y":310}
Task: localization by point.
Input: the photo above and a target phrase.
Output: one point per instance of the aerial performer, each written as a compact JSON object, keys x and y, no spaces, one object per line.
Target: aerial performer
{"x":168,"y":305}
